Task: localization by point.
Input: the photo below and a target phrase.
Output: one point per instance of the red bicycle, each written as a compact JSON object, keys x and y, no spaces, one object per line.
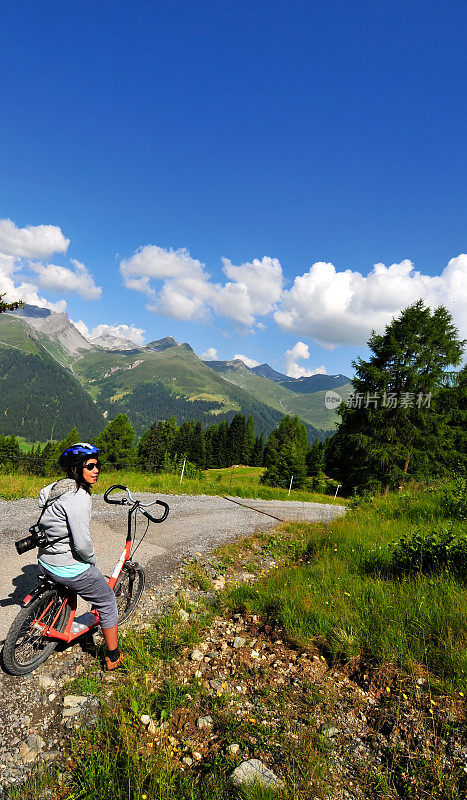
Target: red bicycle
{"x":48,"y":614}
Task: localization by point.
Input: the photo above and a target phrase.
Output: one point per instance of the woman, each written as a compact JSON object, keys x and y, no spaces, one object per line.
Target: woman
{"x":69,"y":557}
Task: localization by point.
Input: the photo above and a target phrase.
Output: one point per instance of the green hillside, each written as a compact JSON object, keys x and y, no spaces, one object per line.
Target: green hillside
{"x":176,"y":367}
{"x":46,"y":391}
{"x":40,"y":399}
{"x":309,"y":407}
{"x":14,"y":332}
{"x":149,"y":383}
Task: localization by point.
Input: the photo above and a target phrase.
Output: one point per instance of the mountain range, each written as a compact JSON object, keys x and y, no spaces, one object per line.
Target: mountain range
{"x":52,"y":378}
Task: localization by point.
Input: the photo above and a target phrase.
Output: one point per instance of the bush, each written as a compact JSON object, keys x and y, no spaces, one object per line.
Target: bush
{"x":454,"y":499}
{"x":322,"y":484}
{"x":432,"y":551}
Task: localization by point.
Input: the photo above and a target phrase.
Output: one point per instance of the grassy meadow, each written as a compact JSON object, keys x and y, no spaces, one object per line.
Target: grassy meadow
{"x":238,"y":482}
{"x":341,"y":587}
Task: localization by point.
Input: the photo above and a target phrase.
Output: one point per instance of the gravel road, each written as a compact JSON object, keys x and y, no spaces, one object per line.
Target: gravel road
{"x":196,"y":524}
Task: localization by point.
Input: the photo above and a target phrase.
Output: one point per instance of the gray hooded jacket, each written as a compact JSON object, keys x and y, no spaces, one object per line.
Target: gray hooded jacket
{"x":67,"y":515}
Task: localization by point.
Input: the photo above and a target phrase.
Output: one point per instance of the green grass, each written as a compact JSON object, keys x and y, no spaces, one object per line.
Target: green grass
{"x":335,"y":589}
{"x":19,"y":485}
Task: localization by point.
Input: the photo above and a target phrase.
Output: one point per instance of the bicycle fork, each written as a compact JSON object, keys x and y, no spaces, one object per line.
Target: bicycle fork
{"x":125,"y":556}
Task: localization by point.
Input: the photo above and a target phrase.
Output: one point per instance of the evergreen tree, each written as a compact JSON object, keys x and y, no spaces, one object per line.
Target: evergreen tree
{"x":197,"y":449}
{"x":257,"y":455}
{"x":155,"y":442}
{"x":452,"y":400}
{"x":285,"y":454}
{"x":249,"y":441}
{"x":236,"y":439}
{"x":10,"y":453}
{"x":183,"y":439}
{"x":117,"y":444}
{"x":393,"y":426}
{"x":208,"y":443}
{"x":315,"y":458}
{"x":221,"y":444}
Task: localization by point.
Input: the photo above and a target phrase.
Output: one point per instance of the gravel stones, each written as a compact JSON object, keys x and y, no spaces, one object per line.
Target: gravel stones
{"x":254,"y":770}
{"x":197,"y":655}
{"x":205,"y":722}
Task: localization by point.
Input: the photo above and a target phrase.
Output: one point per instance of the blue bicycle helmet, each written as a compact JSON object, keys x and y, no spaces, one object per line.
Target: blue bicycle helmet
{"x":76,"y":455}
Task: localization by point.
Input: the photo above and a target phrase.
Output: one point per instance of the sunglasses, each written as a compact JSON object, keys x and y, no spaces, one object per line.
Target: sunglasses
{"x":91,"y":466}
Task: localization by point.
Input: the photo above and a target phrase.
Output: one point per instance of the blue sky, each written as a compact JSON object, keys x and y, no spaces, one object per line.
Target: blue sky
{"x":229,"y":173}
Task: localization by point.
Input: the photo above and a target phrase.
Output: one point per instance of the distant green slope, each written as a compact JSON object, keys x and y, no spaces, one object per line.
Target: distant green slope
{"x":15,"y":333}
{"x":175,"y":367}
{"x":150,"y":384}
{"x":40,"y":399}
{"x":44,"y":392}
{"x":309,"y":407}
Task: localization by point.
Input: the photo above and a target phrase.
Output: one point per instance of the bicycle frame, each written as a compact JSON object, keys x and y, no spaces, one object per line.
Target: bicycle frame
{"x":90,"y":619}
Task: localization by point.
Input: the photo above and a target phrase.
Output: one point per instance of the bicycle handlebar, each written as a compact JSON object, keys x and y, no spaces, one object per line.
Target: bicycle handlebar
{"x":125,"y":501}
{"x":121,"y":502}
{"x":161,"y":519}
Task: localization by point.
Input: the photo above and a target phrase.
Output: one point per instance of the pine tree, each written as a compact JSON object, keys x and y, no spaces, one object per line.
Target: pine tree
{"x":183,"y":439}
{"x":315,"y":458}
{"x":249,"y":441}
{"x":285,"y":454}
{"x":258,"y":452}
{"x":393,"y":427}
{"x":236,"y":439}
{"x":197,"y":449}
{"x":155,"y":442}
{"x":10,"y":453}
{"x":117,"y":444}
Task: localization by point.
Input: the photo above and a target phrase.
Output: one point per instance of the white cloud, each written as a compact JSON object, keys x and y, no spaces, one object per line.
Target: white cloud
{"x":187,"y":292}
{"x":24,"y":290}
{"x":250,"y":362}
{"x":254,"y":289}
{"x":210,"y":354}
{"x":129,"y":332}
{"x":19,"y":249}
{"x":33,"y":241}
{"x":62,"y":279}
{"x":298,"y":352}
{"x":337,"y":308}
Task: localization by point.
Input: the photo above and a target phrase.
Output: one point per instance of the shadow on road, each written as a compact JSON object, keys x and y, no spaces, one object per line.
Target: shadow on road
{"x":22,"y":584}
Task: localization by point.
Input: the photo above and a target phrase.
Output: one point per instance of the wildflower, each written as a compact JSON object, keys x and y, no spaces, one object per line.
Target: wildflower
{"x":461,"y":694}
{"x":432,"y":702}
{"x":347,"y":594}
{"x":405,"y":697}
{"x":388,"y":689}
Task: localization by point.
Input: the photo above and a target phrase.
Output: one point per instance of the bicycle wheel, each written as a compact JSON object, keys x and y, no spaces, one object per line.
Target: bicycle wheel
{"x":25,"y":646}
{"x":128,"y":590}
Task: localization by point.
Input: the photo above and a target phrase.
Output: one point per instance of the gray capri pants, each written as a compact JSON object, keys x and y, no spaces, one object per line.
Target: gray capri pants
{"x":92,"y":586}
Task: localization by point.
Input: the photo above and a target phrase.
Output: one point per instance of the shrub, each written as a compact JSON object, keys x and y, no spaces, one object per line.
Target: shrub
{"x":454,"y":499}
{"x":431,"y":551}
